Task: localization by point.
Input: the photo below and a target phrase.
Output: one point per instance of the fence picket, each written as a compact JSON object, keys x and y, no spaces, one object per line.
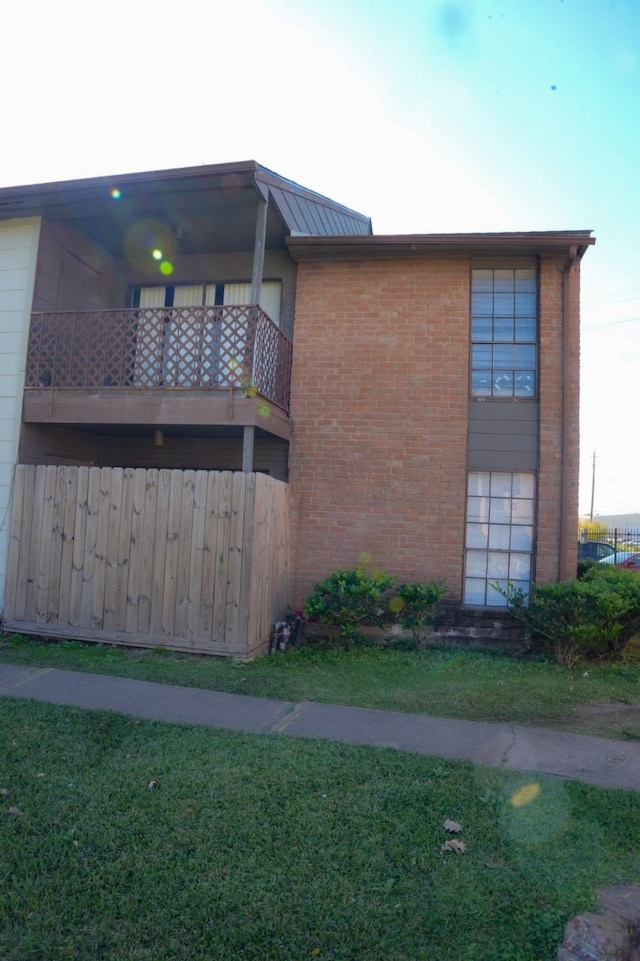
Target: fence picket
{"x":99,"y":602}
{"x":136,"y":556}
{"x":70,"y":494}
{"x":123,"y":550}
{"x":159,"y":552}
{"x":148,"y":550}
{"x":78,"y":551}
{"x":172,"y":555}
{"x":110,"y":621}
{"x":247,"y":588}
{"x":183,"y":577}
{"x":209,"y":556}
{"x":43,"y":564}
{"x":90,"y":548}
{"x":222,"y":559}
{"x":234,"y":562}
{"x":55,"y":546}
{"x":196,"y":559}
{"x":13,"y":604}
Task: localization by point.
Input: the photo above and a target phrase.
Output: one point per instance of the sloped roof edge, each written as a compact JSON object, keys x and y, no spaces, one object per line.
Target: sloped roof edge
{"x":247,"y":167}
{"x":302,"y":197}
{"x":302,"y":214}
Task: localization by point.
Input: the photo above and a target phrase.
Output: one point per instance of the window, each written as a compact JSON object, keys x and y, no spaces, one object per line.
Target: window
{"x":504,"y":310}
{"x":499,"y":535}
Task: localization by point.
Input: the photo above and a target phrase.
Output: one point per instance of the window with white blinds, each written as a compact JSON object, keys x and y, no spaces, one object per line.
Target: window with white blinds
{"x":183,"y":349}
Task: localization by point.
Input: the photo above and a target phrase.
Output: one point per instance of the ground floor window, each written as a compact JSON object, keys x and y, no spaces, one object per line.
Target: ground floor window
{"x":499,"y":535}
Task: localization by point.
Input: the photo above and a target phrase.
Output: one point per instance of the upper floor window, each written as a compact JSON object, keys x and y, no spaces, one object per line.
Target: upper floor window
{"x":504,"y":321}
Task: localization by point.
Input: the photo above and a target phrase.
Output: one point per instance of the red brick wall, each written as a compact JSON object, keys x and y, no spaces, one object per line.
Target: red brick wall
{"x":553,"y":447}
{"x":379,"y":409}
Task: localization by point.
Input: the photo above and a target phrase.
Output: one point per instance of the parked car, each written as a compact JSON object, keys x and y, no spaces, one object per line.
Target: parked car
{"x":594,"y":550}
{"x":627,"y":559}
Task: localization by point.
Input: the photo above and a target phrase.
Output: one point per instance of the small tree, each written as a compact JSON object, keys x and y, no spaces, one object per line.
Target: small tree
{"x":347,"y":599}
{"x":416,"y":606}
{"x":594,"y":530}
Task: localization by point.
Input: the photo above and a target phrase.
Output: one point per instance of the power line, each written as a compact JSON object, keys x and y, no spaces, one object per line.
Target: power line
{"x":620,"y":293}
{"x":610,"y":323}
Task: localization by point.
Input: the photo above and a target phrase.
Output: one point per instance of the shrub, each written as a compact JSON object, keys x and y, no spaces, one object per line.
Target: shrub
{"x":588,"y":617}
{"x":416,"y":606}
{"x":584,"y":566}
{"x":347,"y":599}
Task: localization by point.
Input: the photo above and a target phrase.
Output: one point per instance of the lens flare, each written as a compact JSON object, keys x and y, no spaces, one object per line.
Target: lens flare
{"x":525,"y":795}
{"x":264,"y":410}
{"x":396,"y":604}
{"x":166,"y":268}
{"x":536,"y":813}
{"x":115,"y":193}
{"x":147,"y":243}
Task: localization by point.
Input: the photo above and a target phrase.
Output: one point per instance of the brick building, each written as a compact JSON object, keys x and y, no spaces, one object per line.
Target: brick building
{"x":418,"y":394}
{"x":435,"y":407}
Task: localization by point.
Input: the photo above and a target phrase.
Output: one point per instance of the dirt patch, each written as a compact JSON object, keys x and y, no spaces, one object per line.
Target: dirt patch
{"x":617,"y":721}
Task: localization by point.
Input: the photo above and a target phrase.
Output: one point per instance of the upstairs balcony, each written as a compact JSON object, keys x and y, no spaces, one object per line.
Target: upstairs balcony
{"x":189,"y":365}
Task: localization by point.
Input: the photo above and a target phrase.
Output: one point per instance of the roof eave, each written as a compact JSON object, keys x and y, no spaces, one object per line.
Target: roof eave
{"x":90,"y":184}
{"x":532,"y":243}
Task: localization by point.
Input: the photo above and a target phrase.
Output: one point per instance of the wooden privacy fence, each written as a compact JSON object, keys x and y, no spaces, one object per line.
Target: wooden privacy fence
{"x":189,"y":560}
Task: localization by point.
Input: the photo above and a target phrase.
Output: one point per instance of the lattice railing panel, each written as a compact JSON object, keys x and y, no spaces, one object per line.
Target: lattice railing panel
{"x":217,"y":347}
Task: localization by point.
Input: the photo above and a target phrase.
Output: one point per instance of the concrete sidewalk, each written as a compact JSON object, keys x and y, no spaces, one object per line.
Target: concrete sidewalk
{"x":590,"y":759}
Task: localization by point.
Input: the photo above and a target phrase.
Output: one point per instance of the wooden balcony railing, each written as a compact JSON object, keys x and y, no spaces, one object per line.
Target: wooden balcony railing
{"x":220,"y":348}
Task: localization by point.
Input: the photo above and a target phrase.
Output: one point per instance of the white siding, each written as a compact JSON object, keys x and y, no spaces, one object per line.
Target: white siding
{"x":18,"y":255}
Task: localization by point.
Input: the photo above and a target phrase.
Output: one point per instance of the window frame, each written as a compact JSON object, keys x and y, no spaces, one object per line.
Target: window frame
{"x":491,"y":527}
{"x":505,"y":314}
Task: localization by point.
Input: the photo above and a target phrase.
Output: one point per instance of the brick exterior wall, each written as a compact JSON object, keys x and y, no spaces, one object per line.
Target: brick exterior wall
{"x":379,"y":407}
{"x":553,"y":448}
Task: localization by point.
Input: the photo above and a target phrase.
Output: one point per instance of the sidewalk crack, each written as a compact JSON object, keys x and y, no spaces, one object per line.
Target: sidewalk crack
{"x":505,"y":754}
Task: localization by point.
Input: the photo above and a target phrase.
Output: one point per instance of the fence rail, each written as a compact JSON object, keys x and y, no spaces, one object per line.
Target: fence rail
{"x":618,"y":537}
{"x":190,"y":560}
{"x":596,"y":544}
{"x":216,"y":347}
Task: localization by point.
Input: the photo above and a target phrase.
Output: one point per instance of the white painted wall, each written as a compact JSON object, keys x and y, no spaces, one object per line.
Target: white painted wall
{"x":18,"y":256}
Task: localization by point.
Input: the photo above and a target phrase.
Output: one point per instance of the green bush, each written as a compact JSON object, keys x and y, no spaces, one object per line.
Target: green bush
{"x":592,"y":616}
{"x":346,"y":600}
{"x":416,"y":605}
{"x":584,"y":566}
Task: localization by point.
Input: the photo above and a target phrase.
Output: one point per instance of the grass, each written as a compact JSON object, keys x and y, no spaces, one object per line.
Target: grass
{"x":275,"y":849}
{"x":484,"y":685}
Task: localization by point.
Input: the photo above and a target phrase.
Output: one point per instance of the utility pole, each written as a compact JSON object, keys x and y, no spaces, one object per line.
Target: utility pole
{"x":593,"y":483}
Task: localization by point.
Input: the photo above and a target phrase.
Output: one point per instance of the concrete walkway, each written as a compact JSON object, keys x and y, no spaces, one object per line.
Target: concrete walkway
{"x":590,"y":759}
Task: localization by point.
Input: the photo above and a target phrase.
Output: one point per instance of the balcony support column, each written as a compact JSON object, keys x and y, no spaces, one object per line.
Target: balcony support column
{"x":258,"y":250}
{"x":247,"y":448}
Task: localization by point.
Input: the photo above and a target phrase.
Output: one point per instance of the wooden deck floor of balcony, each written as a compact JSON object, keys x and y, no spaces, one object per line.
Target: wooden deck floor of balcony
{"x":154,"y":408}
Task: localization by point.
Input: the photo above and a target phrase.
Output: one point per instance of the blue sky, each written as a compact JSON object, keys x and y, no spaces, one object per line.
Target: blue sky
{"x":440,"y":115}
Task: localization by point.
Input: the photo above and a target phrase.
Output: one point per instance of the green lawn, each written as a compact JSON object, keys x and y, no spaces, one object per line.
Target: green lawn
{"x":486,"y":685}
{"x":274,"y":849}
